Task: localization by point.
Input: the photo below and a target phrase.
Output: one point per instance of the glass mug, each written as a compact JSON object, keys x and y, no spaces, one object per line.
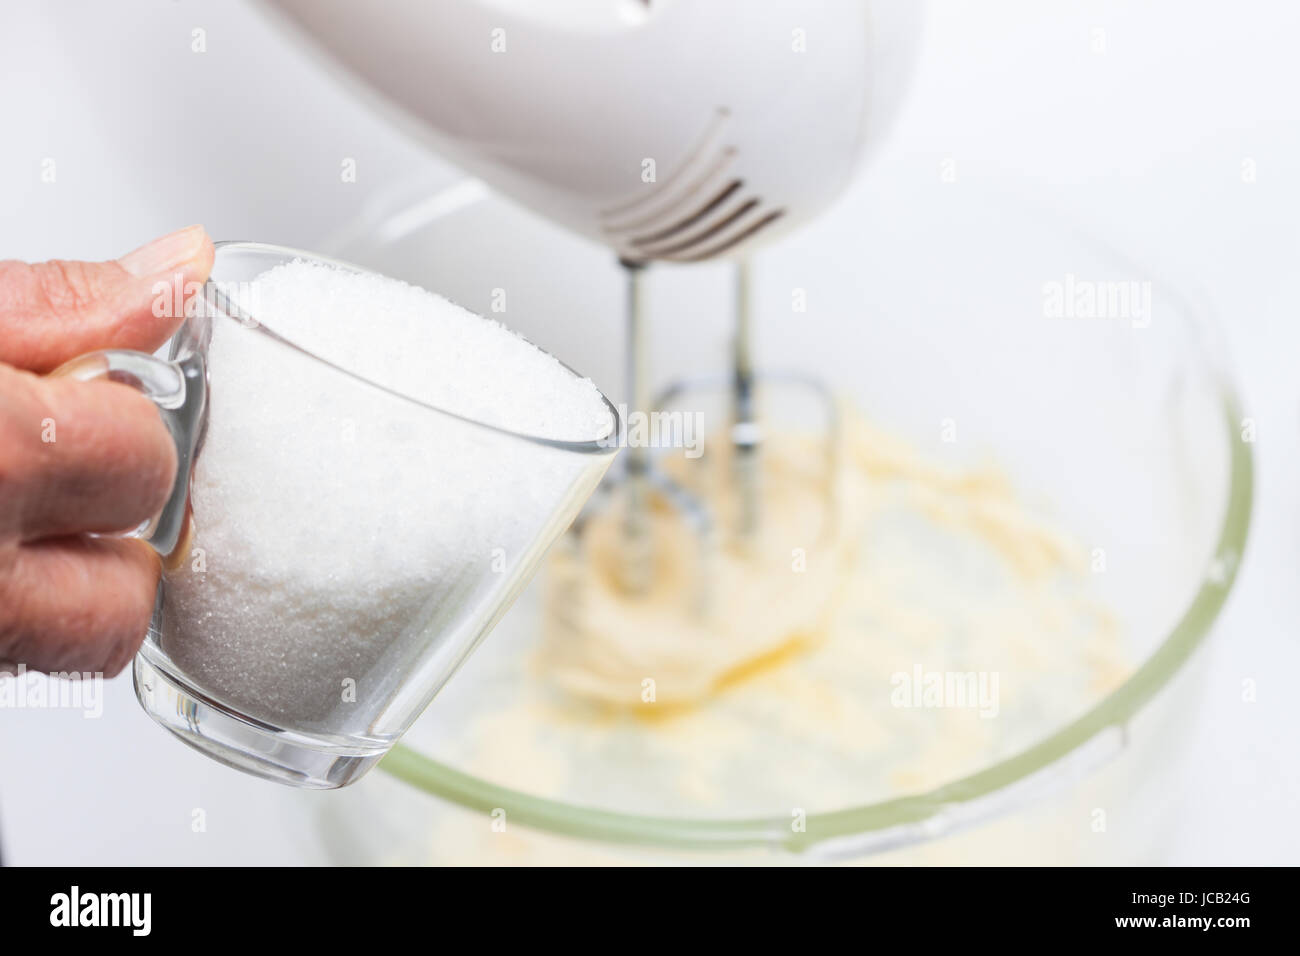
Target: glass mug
{"x":300,"y":686}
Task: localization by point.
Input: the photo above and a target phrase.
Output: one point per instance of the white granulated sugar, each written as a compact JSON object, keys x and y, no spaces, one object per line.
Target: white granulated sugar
{"x":344,"y":534}
{"x":425,"y":346}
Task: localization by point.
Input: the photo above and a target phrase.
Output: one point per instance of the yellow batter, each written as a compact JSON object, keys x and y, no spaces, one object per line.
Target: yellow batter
{"x":785,"y":693}
{"x":773,"y":593}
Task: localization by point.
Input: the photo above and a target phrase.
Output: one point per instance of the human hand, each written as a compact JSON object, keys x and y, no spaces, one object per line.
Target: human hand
{"x":78,"y":459}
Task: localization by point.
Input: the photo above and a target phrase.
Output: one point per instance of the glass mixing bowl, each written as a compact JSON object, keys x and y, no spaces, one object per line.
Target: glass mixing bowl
{"x":961,"y":320}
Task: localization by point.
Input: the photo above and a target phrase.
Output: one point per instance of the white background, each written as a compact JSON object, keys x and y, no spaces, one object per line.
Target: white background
{"x":1145,"y":141}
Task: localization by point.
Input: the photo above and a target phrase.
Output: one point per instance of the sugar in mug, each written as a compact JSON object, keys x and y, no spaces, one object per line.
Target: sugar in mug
{"x":281,"y":688}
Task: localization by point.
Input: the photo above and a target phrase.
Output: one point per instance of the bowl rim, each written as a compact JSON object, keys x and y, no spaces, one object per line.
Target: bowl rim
{"x":1081,"y":745}
{"x":1085,"y":742}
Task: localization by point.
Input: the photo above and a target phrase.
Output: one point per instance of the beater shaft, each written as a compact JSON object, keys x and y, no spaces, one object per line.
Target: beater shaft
{"x":744,"y":425}
{"x":637,"y":561}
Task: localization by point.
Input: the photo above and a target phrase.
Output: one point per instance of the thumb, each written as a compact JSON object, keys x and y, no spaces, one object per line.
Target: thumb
{"x":53,"y":311}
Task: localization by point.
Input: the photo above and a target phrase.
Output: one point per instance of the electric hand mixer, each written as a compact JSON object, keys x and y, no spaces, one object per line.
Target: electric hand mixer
{"x":670,"y":130}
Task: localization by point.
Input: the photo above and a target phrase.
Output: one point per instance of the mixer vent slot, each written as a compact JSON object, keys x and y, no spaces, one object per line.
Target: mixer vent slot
{"x":696,"y":212}
{"x":694,"y":218}
{"x":731,"y":241}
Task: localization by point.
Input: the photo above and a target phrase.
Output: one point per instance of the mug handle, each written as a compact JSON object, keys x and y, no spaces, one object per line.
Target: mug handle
{"x":179,"y":389}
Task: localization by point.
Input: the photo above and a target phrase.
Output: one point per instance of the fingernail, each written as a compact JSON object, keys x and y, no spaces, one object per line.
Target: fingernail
{"x":164,"y":254}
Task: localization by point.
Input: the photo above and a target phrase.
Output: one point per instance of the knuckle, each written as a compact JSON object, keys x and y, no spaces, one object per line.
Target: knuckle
{"x":57,"y":624}
{"x":22,"y":454}
{"x":64,"y":286}
{"x":153,"y":453}
{"x":11,"y":607}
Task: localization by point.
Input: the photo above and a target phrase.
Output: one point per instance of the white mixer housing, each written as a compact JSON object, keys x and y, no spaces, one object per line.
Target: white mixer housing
{"x":677,"y":130}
